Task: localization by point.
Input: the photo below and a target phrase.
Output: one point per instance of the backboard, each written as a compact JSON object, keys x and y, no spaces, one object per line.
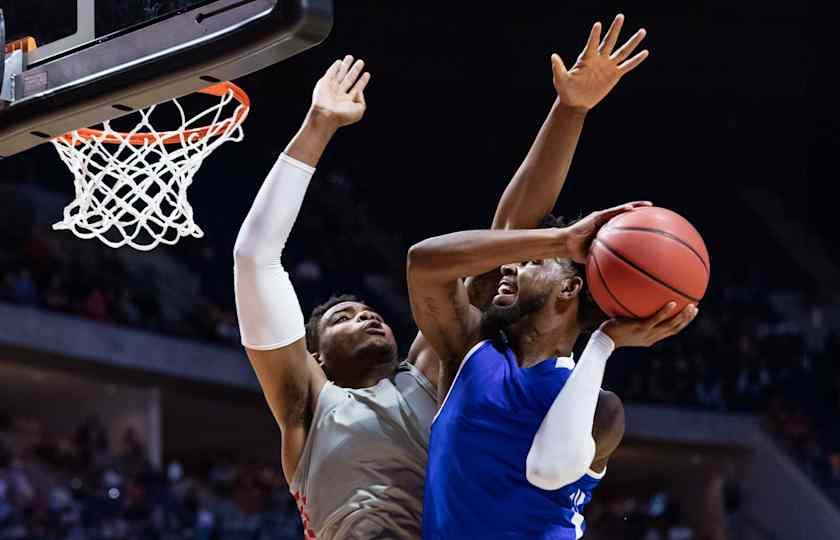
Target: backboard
{"x":76,"y":63}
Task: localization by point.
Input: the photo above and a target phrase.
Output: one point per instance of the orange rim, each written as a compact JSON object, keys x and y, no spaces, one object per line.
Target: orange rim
{"x":174,"y":137}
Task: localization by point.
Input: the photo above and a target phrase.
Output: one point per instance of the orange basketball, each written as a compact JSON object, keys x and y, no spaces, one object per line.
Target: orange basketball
{"x":643,"y":259}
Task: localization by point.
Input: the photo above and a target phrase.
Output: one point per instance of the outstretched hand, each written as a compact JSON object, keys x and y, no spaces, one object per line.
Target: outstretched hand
{"x":339,"y":94}
{"x":579,"y":235}
{"x":598,"y":68}
{"x":647,"y":332}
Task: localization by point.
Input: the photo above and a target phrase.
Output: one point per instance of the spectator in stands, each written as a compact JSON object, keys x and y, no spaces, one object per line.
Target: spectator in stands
{"x":96,"y":306}
{"x":56,"y":297}
{"x":834,"y":480}
{"x":708,"y":389}
{"x":21,"y":288}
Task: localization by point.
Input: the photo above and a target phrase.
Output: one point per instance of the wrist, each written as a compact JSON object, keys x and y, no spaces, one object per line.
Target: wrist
{"x":321,"y":121}
{"x":561,"y":243}
{"x":611,"y":329}
{"x":604,"y":341}
{"x":577,"y":112}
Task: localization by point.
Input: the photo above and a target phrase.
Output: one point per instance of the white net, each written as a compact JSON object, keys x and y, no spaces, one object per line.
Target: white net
{"x":131,"y":188}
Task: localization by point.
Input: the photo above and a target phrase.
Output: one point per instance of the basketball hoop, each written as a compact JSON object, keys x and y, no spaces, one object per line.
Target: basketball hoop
{"x":131,"y":188}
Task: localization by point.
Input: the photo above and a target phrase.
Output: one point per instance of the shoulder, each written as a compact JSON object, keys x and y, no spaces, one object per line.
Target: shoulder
{"x":418,"y":377}
{"x":424,"y":358}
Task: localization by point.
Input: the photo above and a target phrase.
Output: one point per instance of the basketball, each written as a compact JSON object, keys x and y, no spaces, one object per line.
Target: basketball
{"x":643,"y":259}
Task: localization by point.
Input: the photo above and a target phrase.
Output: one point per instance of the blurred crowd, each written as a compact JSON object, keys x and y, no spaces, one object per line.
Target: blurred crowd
{"x":653,"y":516}
{"x":71,"y":276}
{"x":187,"y":291}
{"x":757,"y":346}
{"x":754,"y":349}
{"x":80,"y":487}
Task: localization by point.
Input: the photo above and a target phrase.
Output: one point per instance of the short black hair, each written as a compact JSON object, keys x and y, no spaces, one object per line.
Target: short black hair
{"x":313,"y":335}
{"x":589,"y":314}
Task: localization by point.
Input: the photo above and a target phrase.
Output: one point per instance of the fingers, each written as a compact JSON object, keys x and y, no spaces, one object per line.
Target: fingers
{"x":351,"y":76}
{"x":357,"y":92}
{"x":557,"y":66}
{"x":343,"y":68}
{"x":664,"y":313}
{"x":594,"y":38}
{"x":631,"y":64}
{"x":612,"y":35}
{"x":609,"y":213}
{"x":627,"y":49}
{"x":678,"y":323}
{"x":332,"y":71}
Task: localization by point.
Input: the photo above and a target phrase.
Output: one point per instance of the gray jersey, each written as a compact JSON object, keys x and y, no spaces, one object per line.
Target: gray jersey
{"x":363,"y":465}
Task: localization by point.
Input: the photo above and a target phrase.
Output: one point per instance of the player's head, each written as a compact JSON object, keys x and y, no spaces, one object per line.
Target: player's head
{"x":552,"y":289}
{"x":350,"y":339}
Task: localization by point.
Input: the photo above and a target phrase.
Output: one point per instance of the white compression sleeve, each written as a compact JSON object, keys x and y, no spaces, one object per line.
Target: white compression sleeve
{"x":563,"y":448}
{"x":269,"y":313}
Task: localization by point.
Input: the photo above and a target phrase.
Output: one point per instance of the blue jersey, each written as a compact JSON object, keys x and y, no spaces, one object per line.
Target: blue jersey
{"x":475,"y":480}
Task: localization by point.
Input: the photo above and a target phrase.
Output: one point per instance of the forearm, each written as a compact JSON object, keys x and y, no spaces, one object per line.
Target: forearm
{"x":534,"y":189}
{"x":563,"y":447}
{"x":312,"y":138}
{"x":269,"y":222}
{"x":269,"y":313}
{"x":471,"y":253}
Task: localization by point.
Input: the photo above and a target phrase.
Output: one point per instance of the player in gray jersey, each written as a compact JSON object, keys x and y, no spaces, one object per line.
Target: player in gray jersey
{"x":355,"y":419}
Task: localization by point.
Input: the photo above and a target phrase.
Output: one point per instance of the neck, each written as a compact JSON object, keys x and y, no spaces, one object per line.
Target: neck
{"x":368,"y":378}
{"x":542,"y":339}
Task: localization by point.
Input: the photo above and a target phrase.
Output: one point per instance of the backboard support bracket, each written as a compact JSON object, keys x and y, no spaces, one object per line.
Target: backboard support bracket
{"x":12,"y":66}
{"x":85,"y":32}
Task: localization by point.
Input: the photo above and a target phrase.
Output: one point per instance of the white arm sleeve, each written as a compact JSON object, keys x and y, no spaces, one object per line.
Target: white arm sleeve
{"x":269,"y":313}
{"x":563,"y":448}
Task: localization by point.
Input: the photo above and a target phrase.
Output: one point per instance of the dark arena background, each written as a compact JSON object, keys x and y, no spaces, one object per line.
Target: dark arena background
{"x":128,"y":409}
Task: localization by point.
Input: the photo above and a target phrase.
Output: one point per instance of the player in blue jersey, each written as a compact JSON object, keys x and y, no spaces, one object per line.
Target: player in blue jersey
{"x":517,"y":447}
{"x":523,"y":436}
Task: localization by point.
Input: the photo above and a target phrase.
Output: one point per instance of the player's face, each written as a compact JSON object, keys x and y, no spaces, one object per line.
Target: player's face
{"x":355,"y":338}
{"x":526,"y":282}
{"x":524,"y":289}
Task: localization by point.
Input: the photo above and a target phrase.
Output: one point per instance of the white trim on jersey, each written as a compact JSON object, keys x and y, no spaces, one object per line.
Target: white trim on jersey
{"x":455,"y":380}
{"x":566,"y":362}
{"x":596,"y":476}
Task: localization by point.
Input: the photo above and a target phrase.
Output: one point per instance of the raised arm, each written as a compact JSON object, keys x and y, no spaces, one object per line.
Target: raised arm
{"x":270,"y":317}
{"x":536,"y":185}
{"x":533,"y":191}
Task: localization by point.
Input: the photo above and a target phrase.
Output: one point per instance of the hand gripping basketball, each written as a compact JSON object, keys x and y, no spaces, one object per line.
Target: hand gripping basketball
{"x":647,"y":332}
{"x":581,"y":233}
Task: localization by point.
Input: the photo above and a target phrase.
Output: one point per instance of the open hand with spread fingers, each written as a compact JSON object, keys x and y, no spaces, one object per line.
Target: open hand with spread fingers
{"x":598,"y":68}
{"x":647,"y":332}
{"x":339,"y":94}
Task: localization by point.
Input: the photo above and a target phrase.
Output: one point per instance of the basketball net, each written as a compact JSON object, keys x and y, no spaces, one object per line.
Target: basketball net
{"x":131,"y":188}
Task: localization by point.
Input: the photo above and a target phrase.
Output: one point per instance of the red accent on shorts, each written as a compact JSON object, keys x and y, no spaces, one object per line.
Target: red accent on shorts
{"x":301,"y":501}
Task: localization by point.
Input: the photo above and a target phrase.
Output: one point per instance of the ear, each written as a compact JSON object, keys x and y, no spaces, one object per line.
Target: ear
{"x":570,"y":288}
{"x":317,"y":357}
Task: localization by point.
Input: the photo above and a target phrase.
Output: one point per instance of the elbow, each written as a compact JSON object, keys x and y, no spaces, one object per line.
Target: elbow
{"x":418,"y":262}
{"x":243,"y":257}
{"x":248,"y":253}
{"x":241,"y":254}
{"x":559,"y":470}
{"x":243,"y":249}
